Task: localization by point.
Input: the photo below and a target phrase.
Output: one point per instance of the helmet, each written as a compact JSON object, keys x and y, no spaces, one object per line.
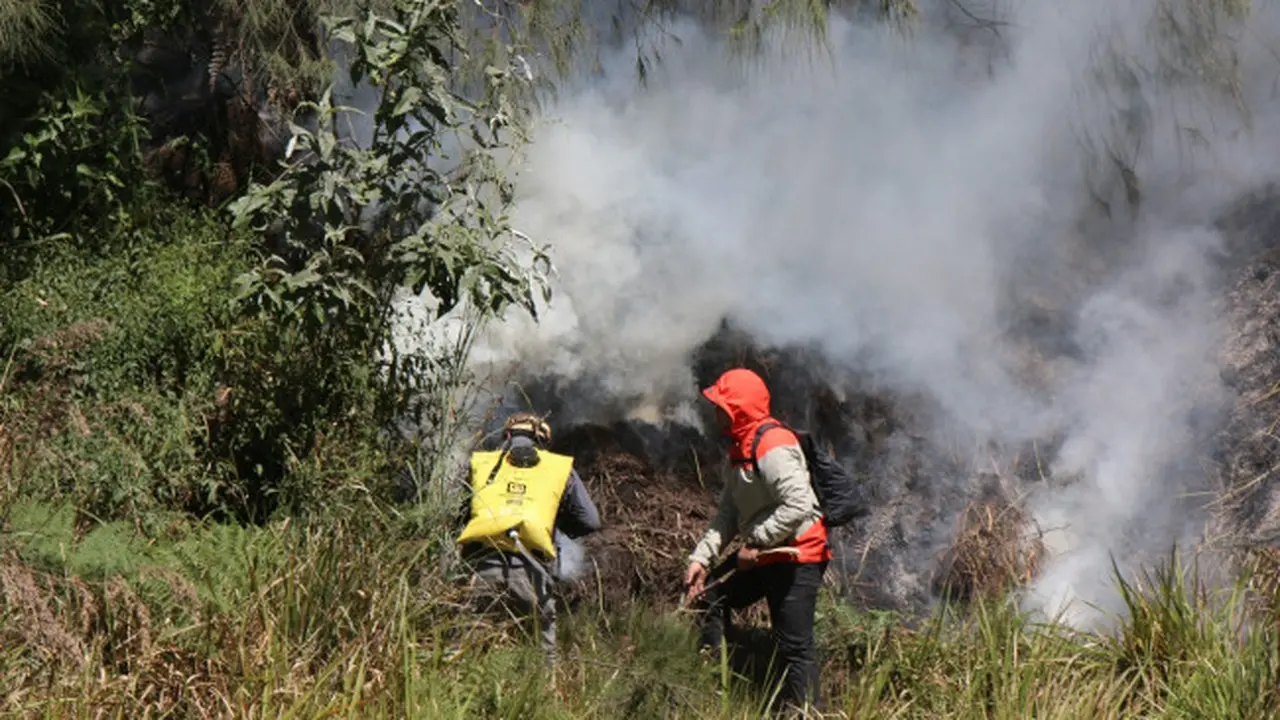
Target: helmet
{"x":529,"y":424}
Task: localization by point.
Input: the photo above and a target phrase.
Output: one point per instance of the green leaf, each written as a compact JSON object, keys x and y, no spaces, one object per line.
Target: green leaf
{"x":410,"y":99}
{"x":327,"y":143}
{"x":307,"y":277}
{"x":15,"y":156}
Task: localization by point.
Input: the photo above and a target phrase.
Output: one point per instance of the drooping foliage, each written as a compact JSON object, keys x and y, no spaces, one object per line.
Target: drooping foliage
{"x":274,"y":346}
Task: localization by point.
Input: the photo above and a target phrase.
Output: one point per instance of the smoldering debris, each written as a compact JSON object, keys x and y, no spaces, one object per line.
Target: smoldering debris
{"x":657,"y":486}
{"x":942,"y":269}
{"x":949,"y":521}
{"x":1248,"y":453}
{"x":653,"y":511}
{"x":997,"y":549}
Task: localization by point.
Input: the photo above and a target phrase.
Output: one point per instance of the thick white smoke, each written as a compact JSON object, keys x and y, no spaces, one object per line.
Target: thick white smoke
{"x":572,"y":559}
{"x":898,"y":209}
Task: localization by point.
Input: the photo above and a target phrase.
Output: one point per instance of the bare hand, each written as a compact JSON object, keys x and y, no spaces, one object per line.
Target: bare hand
{"x":694,"y":580}
{"x":747,"y":558}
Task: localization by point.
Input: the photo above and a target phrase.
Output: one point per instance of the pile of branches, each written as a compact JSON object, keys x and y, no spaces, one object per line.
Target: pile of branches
{"x":651,"y":522}
{"x":997,"y":547}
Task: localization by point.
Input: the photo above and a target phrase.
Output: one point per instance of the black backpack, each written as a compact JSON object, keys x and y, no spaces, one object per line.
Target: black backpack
{"x":841,"y":499}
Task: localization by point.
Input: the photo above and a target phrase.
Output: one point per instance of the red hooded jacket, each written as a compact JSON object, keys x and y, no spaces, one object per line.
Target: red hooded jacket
{"x":743,"y":395}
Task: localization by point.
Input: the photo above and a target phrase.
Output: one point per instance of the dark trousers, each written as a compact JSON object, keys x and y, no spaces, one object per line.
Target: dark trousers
{"x":514,"y":587}
{"x":791,"y":591}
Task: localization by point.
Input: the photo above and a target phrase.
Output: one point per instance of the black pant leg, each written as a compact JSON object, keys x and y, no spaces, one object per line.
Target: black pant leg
{"x":793,"y":600}
{"x":738,"y":591}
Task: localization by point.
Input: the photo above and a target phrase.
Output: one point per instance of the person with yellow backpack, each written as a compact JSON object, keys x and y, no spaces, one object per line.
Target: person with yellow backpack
{"x":524,"y":501}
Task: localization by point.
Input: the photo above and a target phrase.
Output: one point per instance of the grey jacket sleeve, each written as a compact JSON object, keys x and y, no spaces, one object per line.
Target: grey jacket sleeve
{"x":578,"y":514}
{"x":724,"y":526}
{"x":784,"y":470}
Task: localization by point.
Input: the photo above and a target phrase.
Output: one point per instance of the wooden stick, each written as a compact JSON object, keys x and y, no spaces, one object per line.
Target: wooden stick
{"x":771,"y":552}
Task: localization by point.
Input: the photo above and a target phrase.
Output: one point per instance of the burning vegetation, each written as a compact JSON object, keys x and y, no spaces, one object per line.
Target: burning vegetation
{"x":657,"y":488}
{"x":653,"y":512}
{"x":997,"y":548}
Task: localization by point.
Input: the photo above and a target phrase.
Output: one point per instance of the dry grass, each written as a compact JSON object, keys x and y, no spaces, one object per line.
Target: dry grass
{"x":654,"y":520}
{"x":1261,"y":568}
{"x":996,"y":548}
{"x":368,"y":628}
{"x":32,"y":616}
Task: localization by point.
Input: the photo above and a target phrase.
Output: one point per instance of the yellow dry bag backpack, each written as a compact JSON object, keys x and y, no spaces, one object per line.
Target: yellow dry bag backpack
{"x":506,"y":497}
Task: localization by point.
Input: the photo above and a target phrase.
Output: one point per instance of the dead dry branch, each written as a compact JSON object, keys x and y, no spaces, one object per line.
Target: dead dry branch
{"x":996,"y":548}
{"x":653,"y":521}
{"x":1261,"y":565}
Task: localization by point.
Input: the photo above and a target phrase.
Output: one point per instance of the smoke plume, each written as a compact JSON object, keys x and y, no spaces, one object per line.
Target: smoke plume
{"x":902,"y":203}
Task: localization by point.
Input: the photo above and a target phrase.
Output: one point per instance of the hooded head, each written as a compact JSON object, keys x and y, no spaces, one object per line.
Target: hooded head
{"x":743,"y":396}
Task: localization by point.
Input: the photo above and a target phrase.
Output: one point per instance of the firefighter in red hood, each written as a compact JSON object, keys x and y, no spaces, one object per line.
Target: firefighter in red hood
{"x":773,"y":508}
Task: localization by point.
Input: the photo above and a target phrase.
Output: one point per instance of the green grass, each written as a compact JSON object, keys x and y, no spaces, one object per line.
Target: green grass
{"x":131,"y":390}
{"x":345,"y":617}
{"x":113,"y":372}
{"x":23,"y":23}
